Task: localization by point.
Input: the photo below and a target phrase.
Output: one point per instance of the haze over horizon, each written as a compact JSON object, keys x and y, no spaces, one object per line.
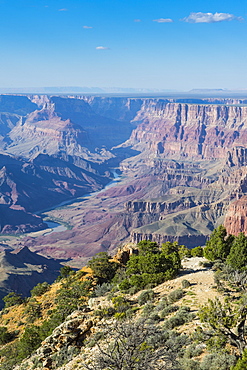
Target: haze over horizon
{"x":159,"y":45}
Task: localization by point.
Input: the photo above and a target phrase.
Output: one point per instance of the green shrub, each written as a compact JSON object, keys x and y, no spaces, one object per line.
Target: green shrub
{"x":125,"y":285}
{"x":102,"y":267}
{"x":163,"y":303}
{"x":40,"y":289}
{"x":175,"y":295}
{"x":146,"y":296}
{"x":121,"y":304}
{"x":152,"y":266}
{"x":237,"y":257}
{"x":218,"y":361}
{"x":5,"y":336}
{"x":219,"y":245}
{"x":184,"y":252}
{"x":12,"y":299}
{"x":133,"y":290}
{"x":182,"y":316}
{"x":197,"y":252}
{"x":33,"y":310}
{"x":101,"y":290}
{"x":167,"y":310}
{"x":185,"y":284}
{"x":242,"y":362}
{"x":29,"y":342}
{"x":154,"y":317}
{"x":148,"y":309}
{"x":105,"y":312}
{"x":65,"y":272}
{"x":71,"y":297}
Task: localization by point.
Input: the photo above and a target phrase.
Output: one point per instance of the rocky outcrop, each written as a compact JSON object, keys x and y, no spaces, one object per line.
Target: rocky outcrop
{"x":65,"y":339}
{"x":123,"y":254}
{"x":236,"y":217}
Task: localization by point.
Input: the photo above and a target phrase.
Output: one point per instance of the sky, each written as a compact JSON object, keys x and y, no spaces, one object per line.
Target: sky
{"x":159,"y":44}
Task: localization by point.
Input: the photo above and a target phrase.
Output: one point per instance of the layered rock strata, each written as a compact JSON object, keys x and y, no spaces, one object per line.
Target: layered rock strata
{"x":191,"y":165}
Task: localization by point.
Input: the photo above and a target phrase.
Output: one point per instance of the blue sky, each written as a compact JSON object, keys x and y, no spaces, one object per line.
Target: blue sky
{"x":162,"y":44}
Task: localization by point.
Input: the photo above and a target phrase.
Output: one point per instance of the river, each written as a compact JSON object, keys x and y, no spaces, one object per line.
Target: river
{"x":57,"y":227}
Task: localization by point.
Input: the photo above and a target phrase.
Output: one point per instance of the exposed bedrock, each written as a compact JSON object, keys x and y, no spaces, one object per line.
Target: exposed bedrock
{"x":190,"y":130}
{"x":236,"y":217}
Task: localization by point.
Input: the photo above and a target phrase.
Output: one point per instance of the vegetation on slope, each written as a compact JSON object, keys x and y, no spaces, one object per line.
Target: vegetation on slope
{"x":107,"y":321}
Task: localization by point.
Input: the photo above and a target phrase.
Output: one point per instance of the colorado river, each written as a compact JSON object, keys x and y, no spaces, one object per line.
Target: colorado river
{"x":57,"y":227}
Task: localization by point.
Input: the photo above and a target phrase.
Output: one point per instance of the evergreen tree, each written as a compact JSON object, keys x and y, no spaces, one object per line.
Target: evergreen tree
{"x":219,"y":245}
{"x":237,"y":258}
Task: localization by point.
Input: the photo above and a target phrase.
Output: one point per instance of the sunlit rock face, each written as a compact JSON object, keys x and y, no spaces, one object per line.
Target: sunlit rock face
{"x":190,"y":131}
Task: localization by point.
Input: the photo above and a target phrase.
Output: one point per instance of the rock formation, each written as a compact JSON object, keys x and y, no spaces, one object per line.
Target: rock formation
{"x":183,"y":161}
{"x":236,"y":217}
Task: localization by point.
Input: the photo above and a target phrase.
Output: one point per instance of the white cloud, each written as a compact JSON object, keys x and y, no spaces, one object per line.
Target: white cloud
{"x":137,"y":20}
{"x":102,"y":48}
{"x":210,"y":17}
{"x":63,"y":10}
{"x":87,"y":27}
{"x":163,"y":20}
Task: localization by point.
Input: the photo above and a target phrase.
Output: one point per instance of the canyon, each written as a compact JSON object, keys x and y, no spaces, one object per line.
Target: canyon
{"x":182,"y":166}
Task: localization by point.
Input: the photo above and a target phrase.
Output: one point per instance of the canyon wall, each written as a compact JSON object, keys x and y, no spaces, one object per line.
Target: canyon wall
{"x":183,"y":160}
{"x":190,"y":131}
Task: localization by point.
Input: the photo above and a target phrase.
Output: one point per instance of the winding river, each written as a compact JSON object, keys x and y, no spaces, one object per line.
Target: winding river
{"x":55,"y":227}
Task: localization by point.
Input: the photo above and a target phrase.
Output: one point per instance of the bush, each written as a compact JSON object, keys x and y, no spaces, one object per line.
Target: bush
{"x":33,"y":310}
{"x":185,"y":284}
{"x":121,"y":304}
{"x":242,"y":362}
{"x":137,"y":345}
{"x":102,"y":267}
{"x":182,"y":316}
{"x":29,"y":342}
{"x":152,"y":266}
{"x":105,"y":312}
{"x":175,"y":295}
{"x":146,"y":296}
{"x":12,"y":299}
{"x":101,"y":290}
{"x":40,"y":289}
{"x":65,"y":272}
{"x":153,"y":317}
{"x":184,"y":252}
{"x":197,"y":252}
{"x":163,"y":303}
{"x":237,"y":257}
{"x":5,"y":336}
{"x":148,"y":309}
{"x":218,"y":361}
{"x":72,"y":297}
{"x":167,"y":310}
{"x":219,"y":245}
{"x":133,"y":290}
